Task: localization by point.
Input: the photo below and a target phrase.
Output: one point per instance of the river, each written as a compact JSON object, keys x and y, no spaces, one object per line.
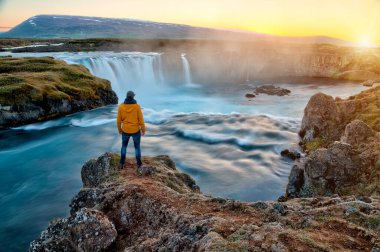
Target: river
{"x":230,"y":145}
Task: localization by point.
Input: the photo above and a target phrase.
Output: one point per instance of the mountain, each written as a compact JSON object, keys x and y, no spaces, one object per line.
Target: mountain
{"x":79,"y":27}
{"x":61,"y":26}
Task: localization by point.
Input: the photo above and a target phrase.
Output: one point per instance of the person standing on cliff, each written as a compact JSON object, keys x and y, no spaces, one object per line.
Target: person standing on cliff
{"x":130,"y":123}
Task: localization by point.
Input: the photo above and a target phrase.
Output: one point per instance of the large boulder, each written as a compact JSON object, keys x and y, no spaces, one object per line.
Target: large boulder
{"x":332,"y":168}
{"x":321,"y":118}
{"x":356,"y":132}
{"x":296,"y":180}
{"x":95,"y":171}
{"x":86,"y":230}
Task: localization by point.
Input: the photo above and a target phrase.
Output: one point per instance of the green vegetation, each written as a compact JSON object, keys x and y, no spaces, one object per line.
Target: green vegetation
{"x":366,"y":221}
{"x":368,"y":108}
{"x":25,"y":80}
{"x":315,"y":144}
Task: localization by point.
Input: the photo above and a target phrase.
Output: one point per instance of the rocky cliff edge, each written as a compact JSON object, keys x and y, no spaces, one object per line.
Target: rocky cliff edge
{"x":157,"y":208}
{"x":342,"y":140}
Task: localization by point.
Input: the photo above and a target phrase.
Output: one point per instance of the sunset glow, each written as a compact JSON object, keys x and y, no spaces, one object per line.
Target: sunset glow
{"x":352,"y":20}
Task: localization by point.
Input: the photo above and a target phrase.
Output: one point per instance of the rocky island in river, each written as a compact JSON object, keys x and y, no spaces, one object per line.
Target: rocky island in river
{"x":37,"y":89}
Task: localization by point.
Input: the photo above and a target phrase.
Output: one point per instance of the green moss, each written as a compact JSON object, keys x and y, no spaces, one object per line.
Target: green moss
{"x":10,"y":80}
{"x":24,"y":80}
{"x":315,"y":144}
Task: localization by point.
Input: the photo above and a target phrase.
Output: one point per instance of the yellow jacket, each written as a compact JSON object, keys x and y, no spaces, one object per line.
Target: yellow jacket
{"x":130,"y":119}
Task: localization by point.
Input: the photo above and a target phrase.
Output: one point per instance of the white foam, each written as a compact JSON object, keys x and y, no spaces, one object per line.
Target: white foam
{"x":85,"y":123}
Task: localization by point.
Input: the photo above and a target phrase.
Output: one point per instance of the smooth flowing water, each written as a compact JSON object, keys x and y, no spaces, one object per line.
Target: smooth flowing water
{"x":230,"y":145}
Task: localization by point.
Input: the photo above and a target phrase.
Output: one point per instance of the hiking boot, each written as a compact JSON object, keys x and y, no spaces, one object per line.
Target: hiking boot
{"x":121,"y":166}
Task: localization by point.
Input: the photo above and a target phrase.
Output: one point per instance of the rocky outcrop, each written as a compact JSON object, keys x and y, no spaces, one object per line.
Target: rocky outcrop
{"x":321,"y":118}
{"x":38,"y":89}
{"x":157,"y":208}
{"x":327,"y":170}
{"x":290,"y":154}
{"x":342,"y":139}
{"x":272,"y":90}
{"x":86,"y":230}
{"x":357,"y":132}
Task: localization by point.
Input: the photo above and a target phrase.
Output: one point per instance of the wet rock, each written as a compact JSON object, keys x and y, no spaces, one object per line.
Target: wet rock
{"x":290,"y":154}
{"x":250,"y":95}
{"x":87,"y":230}
{"x":321,"y":118}
{"x":356,"y":132}
{"x":272,"y":90}
{"x":95,"y":171}
{"x":296,"y":180}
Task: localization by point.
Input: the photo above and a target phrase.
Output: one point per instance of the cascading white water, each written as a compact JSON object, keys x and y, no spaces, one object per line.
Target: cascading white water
{"x":186,"y":69}
{"x":125,"y":71}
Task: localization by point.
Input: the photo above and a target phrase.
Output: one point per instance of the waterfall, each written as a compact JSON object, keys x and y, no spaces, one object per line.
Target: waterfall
{"x":186,"y":69}
{"x":141,"y":72}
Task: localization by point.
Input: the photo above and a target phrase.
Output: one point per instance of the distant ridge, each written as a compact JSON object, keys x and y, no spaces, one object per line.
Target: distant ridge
{"x":80,"y":27}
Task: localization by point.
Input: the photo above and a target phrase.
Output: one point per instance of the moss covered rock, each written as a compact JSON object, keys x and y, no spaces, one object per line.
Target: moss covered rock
{"x":36,"y":89}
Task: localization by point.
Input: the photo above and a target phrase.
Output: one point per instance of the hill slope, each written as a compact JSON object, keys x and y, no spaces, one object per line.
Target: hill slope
{"x":79,"y":27}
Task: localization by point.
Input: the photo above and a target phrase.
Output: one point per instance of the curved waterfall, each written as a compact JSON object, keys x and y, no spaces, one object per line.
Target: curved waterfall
{"x":125,"y":71}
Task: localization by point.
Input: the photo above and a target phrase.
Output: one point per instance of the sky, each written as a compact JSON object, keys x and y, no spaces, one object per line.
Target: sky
{"x":352,"y":20}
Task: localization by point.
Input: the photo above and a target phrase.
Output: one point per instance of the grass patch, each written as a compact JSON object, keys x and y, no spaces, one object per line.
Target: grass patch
{"x":25,"y":80}
{"x":305,"y":238}
{"x":368,"y":108}
{"x":368,"y":222}
{"x":315,"y":144}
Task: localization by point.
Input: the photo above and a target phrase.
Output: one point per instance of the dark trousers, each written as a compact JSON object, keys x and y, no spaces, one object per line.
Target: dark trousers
{"x":136,"y":142}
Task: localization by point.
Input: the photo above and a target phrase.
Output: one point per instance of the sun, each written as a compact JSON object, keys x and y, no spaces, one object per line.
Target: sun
{"x":365,"y":42}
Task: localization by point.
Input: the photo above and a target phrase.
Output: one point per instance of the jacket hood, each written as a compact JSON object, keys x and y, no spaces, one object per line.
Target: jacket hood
{"x":130,"y":101}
